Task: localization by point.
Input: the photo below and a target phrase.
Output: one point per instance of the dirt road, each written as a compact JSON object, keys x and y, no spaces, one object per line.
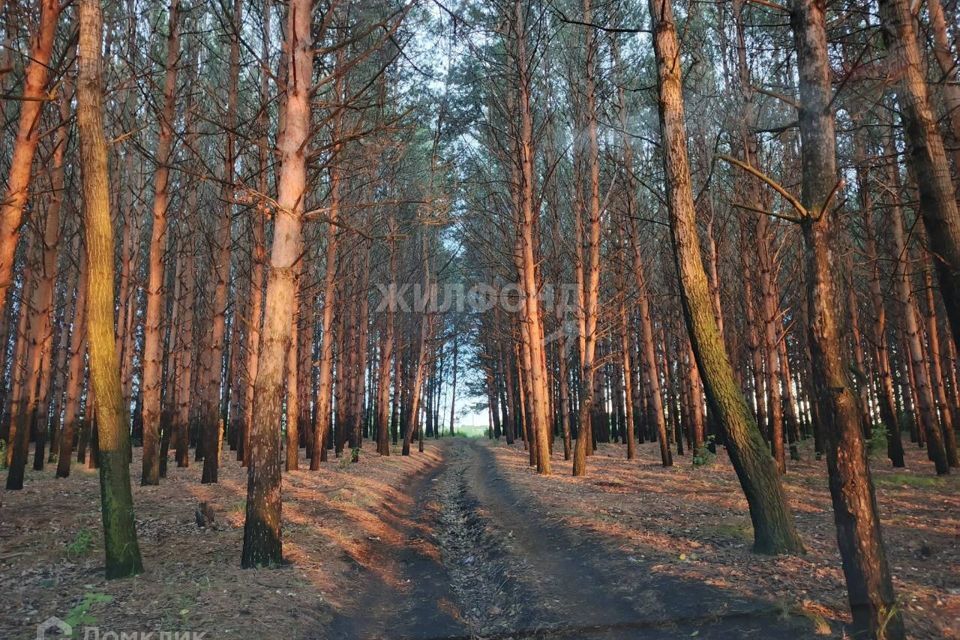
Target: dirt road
{"x":482,"y":561}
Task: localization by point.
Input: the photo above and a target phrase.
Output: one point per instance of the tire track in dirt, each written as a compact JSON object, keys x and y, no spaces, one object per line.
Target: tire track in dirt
{"x":481,"y":563}
{"x":584,"y":589}
{"x":419,"y":610}
{"x":493,"y":601}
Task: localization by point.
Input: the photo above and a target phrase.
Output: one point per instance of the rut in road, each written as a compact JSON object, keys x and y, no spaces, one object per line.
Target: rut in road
{"x":418,"y":609}
{"x":497,"y":567}
{"x":494,"y":599}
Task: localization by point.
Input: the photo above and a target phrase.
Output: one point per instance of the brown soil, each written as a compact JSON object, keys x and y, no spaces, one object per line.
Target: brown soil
{"x":193,"y":579}
{"x":691,"y":524}
{"x":467,"y":541}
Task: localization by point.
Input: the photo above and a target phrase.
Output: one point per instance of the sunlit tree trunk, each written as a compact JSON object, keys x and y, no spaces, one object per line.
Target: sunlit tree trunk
{"x":926,"y":409}
{"x":52,"y":239}
{"x":765,"y":334}
{"x":774,"y":530}
{"x":262,"y":543}
{"x":870,"y":590}
{"x":152,"y":338}
{"x":590,"y":264}
{"x":32,"y":414}
{"x":325,"y":379}
{"x":526,"y":215}
{"x":32,"y":101}
{"x":950,"y":80}
{"x":120,"y":537}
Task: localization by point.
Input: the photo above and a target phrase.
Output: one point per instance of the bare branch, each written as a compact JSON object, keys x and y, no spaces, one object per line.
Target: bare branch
{"x":773,"y":184}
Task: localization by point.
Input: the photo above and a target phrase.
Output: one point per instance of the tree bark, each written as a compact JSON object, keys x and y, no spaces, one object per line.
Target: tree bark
{"x":211,"y":416}
{"x":869,"y":587}
{"x":75,"y":374}
{"x":949,"y":436}
{"x":257,"y":251}
{"x":25,"y":145}
{"x":886,"y":396}
{"x":950,"y":80}
{"x":325,"y":380}
{"x":120,"y":536}
{"x":262,"y":542}
{"x":590,"y":264}
{"x":926,"y":408}
{"x":292,"y":374}
{"x":927,"y":156}
{"x":152,"y":338}
{"x":774,"y":530}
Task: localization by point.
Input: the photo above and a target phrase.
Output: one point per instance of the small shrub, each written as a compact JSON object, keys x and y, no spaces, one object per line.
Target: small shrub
{"x":703,"y":456}
{"x":3,"y":454}
{"x":877,"y":444}
{"x":80,"y":544}
{"x":80,"y":614}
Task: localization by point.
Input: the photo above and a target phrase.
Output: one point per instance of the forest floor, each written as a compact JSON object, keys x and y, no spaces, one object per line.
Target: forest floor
{"x":466,"y":541}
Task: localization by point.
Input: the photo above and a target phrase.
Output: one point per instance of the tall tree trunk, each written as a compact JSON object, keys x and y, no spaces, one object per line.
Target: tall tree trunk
{"x":950,"y":80}
{"x":926,"y":409}
{"x":696,"y":401}
{"x":211,"y":418}
{"x":325,"y":380}
{"x":152,"y":338}
{"x":33,"y":99}
{"x":936,"y":368}
{"x":886,"y":396}
{"x":927,"y":157}
{"x":76,"y":373}
{"x":186,"y":376}
{"x":120,"y":536}
{"x":453,"y":386}
{"x":870,"y":590}
{"x":590,"y":265}
{"x":423,"y":352}
{"x":771,"y":315}
{"x":527,"y":215}
{"x":630,"y":435}
{"x":361,"y":331}
{"x":292,"y":374}
{"x":774,"y":530}
{"x":655,"y":411}
{"x":32,"y":415}
{"x":51,"y":247}
{"x":257,"y":252}
{"x":262,"y":543}
{"x":386,"y":354}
